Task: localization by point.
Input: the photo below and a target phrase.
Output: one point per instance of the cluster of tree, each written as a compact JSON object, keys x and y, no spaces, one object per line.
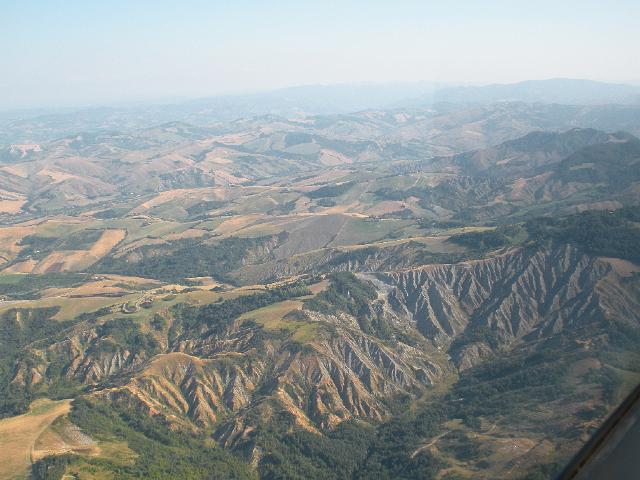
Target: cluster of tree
{"x":296,"y":138}
{"x":440,"y":224}
{"x":498,"y":388}
{"x":218,"y":317}
{"x":18,"y":328}
{"x":408,"y":253}
{"x":29,"y":286}
{"x":610,"y":165}
{"x":326,"y":202}
{"x":354,"y":449}
{"x":204,"y":207}
{"x":160,"y":452}
{"x":38,"y":246}
{"x":115,"y":212}
{"x":330,"y":190}
{"x":498,"y":237}
{"x":284,"y":208}
{"x":474,"y":334}
{"x":125,"y":333}
{"x":187,"y":258}
{"x":345,"y":293}
{"x":358,"y":256}
{"x":503,"y":386}
{"x":390,"y":454}
{"x":348,"y":294}
{"x":611,"y":233}
{"x":456,"y":194}
{"x":51,"y":468}
{"x":299,"y":455}
{"x":402,"y":214}
{"x":507,"y":386}
{"x":92,"y":317}
{"x":346,"y":147}
{"x":599,"y":232}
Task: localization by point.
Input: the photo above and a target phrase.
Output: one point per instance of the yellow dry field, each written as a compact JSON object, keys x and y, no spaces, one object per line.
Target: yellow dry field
{"x":191,"y":233}
{"x":200,"y":296}
{"x":386,"y":206}
{"x":316,"y":288}
{"x":62,"y":262}
{"x":236,"y":223}
{"x":341,"y":208}
{"x":133,"y":281}
{"x":9,"y":239}
{"x":622,"y":267}
{"x":236,"y":138}
{"x":18,"y":435}
{"x":331,"y":157}
{"x":21,"y":267}
{"x":219,"y":156}
{"x":208,"y":282}
{"x":102,"y":288}
{"x":169,"y":361}
{"x":108,"y":240}
{"x":348,"y":209}
{"x":262,"y":229}
{"x":70,"y":261}
{"x":60,"y":438}
{"x":19,"y":170}
{"x":229,"y":178}
{"x":101,"y":285}
{"x":58,"y":226}
{"x":272,"y":316}
{"x":325,"y":177}
{"x":435,"y":244}
{"x":11,"y":206}
{"x":56,"y":176}
{"x":69,"y":307}
{"x":161,"y":198}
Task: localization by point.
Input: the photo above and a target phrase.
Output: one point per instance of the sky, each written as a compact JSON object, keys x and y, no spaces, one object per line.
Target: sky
{"x":71,"y":53}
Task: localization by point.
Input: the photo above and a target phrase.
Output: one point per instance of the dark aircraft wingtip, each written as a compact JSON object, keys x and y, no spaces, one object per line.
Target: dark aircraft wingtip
{"x":614,"y":451}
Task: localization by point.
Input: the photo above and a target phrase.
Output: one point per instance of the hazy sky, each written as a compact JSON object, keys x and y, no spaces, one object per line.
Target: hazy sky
{"x":83,"y":52}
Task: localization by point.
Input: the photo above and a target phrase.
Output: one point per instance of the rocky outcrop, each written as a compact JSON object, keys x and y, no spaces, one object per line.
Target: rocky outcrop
{"x":83,"y":356}
{"x":340,"y":374}
{"x":177,"y":386}
{"x":521,"y":294}
{"x":441,"y":317}
{"x":348,"y":374}
{"x":471,"y":354}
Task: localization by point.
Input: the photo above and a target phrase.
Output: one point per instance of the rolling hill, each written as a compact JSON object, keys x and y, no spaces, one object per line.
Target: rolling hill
{"x":437,"y":291}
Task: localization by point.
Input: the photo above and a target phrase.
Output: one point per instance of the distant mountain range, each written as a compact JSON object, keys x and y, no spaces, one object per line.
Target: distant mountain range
{"x":557,"y":90}
{"x":296,"y":102}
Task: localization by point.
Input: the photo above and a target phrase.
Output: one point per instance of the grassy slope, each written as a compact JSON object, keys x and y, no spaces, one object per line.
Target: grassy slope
{"x":19,"y":434}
